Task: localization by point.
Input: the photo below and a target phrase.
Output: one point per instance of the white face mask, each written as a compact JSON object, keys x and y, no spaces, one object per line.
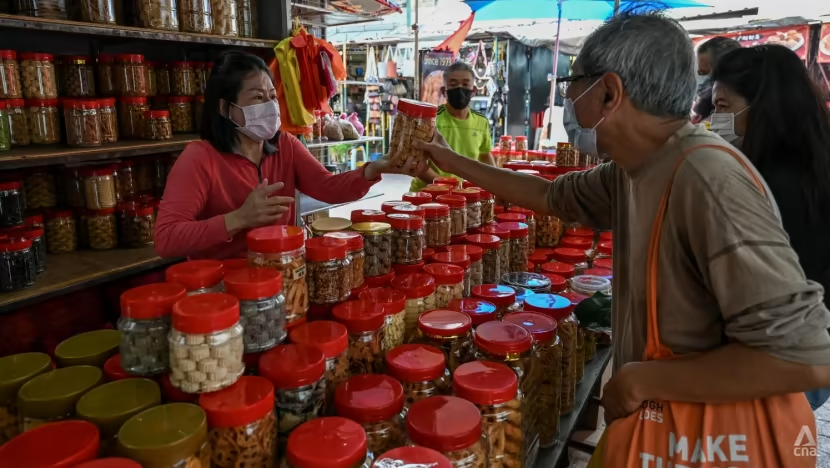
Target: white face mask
{"x":723,"y":124}
{"x":584,"y":140}
{"x":262,"y":121}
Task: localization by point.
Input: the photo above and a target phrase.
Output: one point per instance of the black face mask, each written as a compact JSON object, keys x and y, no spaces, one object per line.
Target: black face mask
{"x":459,"y":98}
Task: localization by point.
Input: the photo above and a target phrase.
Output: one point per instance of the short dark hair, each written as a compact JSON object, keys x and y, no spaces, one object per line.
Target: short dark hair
{"x":458,"y":66}
{"x":229,"y":71}
{"x":717,"y":47}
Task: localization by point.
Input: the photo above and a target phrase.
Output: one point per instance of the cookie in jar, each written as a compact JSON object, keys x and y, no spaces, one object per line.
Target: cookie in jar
{"x":365,"y":322}
{"x":377,"y":246}
{"x":449,"y":282}
{"x":462,"y":442}
{"x":407,"y":238}
{"x":421,"y":369}
{"x":376,"y":402}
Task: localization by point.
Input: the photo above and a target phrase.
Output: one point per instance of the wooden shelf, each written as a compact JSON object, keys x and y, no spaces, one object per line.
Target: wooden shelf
{"x":74,"y":271}
{"x":128,"y":32}
{"x":40,"y":155}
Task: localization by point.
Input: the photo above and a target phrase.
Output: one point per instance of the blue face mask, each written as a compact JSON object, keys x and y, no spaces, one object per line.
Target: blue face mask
{"x":584,"y":140}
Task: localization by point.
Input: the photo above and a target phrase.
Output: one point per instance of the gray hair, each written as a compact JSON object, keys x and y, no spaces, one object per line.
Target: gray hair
{"x":652,"y":55}
{"x":458,"y":66}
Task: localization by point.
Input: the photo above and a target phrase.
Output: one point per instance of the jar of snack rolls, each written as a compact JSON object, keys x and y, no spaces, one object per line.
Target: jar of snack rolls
{"x":488,"y":205}
{"x":132,"y":112}
{"x":183,"y":79}
{"x":394,"y":304}
{"x":462,"y":442}
{"x":52,"y":396}
{"x":283,"y":249}
{"x":333,"y":340}
{"x":15,"y":371}
{"x":174,"y":434}
{"x":144,"y":325}
{"x":130,"y":75}
{"x":345,"y":442}
{"x":421,"y":369}
{"x":449,"y":282}
{"x":449,"y":331}
{"x":376,"y":402}
{"x":365,"y":322}
{"x":158,"y":14}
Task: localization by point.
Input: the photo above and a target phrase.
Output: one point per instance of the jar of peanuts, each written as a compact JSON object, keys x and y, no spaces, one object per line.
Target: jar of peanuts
{"x":328,"y":269}
{"x":183,"y":79}
{"x":43,"y":120}
{"x":61,"y":236}
{"x":78,"y":76}
{"x":83,"y":125}
{"x":415,"y":122}
{"x":438,"y":224}
{"x":412,"y":456}
{"x":462,"y":442}
{"x":345,"y":441}
{"x":377,"y":245}
{"x":355,"y":254}
{"x":365,"y":322}
{"x":519,"y":244}
{"x":449,"y":282}
{"x":224,"y":17}
{"x":479,"y":311}
{"x":473,"y":200}
{"x":506,"y":143}
{"x":419,"y":289}
{"x":394,"y":304}
{"x":197,"y":112}
{"x":19,"y":134}
{"x":458,"y":212}
{"x":407,"y":238}
{"x":194,"y":16}
{"x":283,"y":249}
{"x":449,"y":331}
{"x":101,"y":229}
{"x":136,"y":224}
{"x":99,"y":187}
{"x":37,"y":73}
{"x":131,"y":115}
{"x":198,"y":276}
{"x":376,"y":402}
{"x":421,"y":369}
{"x":130,"y":75}
{"x":10,"y":86}
{"x":181,"y":113}
{"x":157,"y":125}
{"x":158,"y":14}
{"x":417,"y":198}
{"x":332,"y":339}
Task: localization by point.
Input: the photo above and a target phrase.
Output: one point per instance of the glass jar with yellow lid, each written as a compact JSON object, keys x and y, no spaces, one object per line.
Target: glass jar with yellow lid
{"x":52,"y":396}
{"x":112,"y":404}
{"x":325,"y":225}
{"x":15,"y":371}
{"x":377,"y":247}
{"x":167,"y":436}
{"x":88,"y":349}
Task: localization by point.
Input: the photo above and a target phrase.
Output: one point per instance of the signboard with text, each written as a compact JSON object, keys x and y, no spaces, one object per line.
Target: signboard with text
{"x":824,"y":44}
{"x":797,"y":38}
{"x":433,"y":65}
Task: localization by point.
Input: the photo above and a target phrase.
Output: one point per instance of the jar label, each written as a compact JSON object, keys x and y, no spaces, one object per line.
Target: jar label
{"x":298,"y":273}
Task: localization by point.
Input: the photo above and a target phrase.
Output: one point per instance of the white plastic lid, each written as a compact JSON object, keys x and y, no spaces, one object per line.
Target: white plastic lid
{"x":590,"y":284}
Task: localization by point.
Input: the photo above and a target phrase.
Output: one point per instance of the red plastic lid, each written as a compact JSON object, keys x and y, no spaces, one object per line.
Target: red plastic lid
{"x":574,"y":297}
{"x":253,"y":283}
{"x":133,"y":58}
{"x":506,"y":138}
{"x":469,"y":194}
{"x":444,"y":423}
{"x":409,"y":209}
{"x":323,"y":249}
{"x":327,"y":443}
{"x":572,"y":242}
{"x":48,"y":102}
{"x":15,"y":102}
{"x":8,"y":54}
{"x":487,"y":241}
{"x":54,"y":214}
{"x":553,"y":305}
{"x":156,"y":114}
{"x":196,"y":274}
{"x":368,"y":216}
{"x":459,"y":239}
{"x":445,"y":323}
{"x":246,"y":401}
{"x":69,"y":443}
{"x":417,"y":109}
{"x":387,"y":206}
{"x":606,"y":236}
{"x":96,"y":171}
{"x":474,"y":252}
{"x":205,"y":313}
{"x":606,"y":247}
{"x":479,"y":311}
{"x":34,"y":219}
{"x":401,"y":269}
{"x":417,"y":198}
{"x":603,"y":272}
{"x":579,"y":232}
{"x":414,"y":457}
{"x":151,"y":300}
{"x":498,"y":294}
{"x":173,"y":394}
{"x":521,"y":138}
{"x":15,"y":244}
{"x":360,"y":316}
{"x":10,"y":185}
{"x":353,"y":295}
{"x":3,"y":104}
{"x":435,"y":210}
{"x":564,"y":270}
{"x":275,"y":239}
{"x":498,"y":209}
{"x":405,"y":221}
{"x":329,"y":337}
{"x":354,"y":241}
{"x":537,"y":257}
{"x":133,"y":100}
{"x":511,"y":218}
{"x":113,"y":370}
{"x":106,"y":58}
{"x":558,"y":283}
{"x":531,"y":267}
{"x":106,"y":102}
{"x":456,"y":257}
{"x":292,"y":366}
{"x":428,"y":252}
{"x":606,"y":263}
{"x":568,"y":255}
{"x":485,"y":382}
{"x":415,"y":285}
{"x":321,"y":311}
{"x":36,"y":56}
{"x":393,"y":301}
{"x":517,"y":230}
{"x":232,"y":264}
{"x":179,"y":99}
{"x":415,"y":363}
{"x":448,"y":181}
{"x":502,"y":338}
{"x":444,"y":273}
{"x":76,"y":104}
{"x":369,"y":398}
{"x":453,"y":201}
{"x":547,"y":251}
{"x":110,"y":463}
{"x":436,"y":190}
{"x":541,"y":327}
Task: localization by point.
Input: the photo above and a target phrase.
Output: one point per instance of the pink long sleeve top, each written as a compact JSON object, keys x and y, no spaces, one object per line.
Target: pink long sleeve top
{"x":205,"y":185}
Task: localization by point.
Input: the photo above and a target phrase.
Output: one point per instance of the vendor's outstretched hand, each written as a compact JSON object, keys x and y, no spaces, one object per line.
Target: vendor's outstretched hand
{"x":384,"y":165}
{"x":439,"y":152}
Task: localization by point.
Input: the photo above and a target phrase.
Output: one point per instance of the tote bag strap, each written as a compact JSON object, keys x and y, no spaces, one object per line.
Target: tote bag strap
{"x":654,"y":347}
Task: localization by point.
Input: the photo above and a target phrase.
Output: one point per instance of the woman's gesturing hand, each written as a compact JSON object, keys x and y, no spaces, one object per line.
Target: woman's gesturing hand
{"x":259,"y":209}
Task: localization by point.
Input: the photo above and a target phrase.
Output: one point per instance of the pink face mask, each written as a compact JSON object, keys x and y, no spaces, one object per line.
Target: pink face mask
{"x":262,"y":121}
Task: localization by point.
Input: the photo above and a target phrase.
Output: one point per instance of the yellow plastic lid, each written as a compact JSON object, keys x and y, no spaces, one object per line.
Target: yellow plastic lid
{"x":372,"y":228}
{"x":163,"y":435}
{"x":111,"y":405}
{"x":330,"y":225}
{"x":17,"y":369}
{"x":54,"y":394}
{"x":88,"y":349}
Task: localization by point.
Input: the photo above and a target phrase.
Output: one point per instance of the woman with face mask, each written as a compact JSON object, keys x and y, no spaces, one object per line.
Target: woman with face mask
{"x":244,"y":172}
{"x":767,"y":105}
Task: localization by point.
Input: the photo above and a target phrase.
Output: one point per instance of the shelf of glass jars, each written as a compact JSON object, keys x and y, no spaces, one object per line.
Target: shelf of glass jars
{"x":39,"y":155}
{"x":128,"y":32}
{"x":74,"y":271}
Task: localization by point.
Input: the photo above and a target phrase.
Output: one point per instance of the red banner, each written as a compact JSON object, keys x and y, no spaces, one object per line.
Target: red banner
{"x":797,"y":38}
{"x":824,"y":44}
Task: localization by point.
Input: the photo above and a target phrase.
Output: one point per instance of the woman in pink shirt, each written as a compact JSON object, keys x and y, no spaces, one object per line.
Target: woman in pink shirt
{"x":244,"y":173}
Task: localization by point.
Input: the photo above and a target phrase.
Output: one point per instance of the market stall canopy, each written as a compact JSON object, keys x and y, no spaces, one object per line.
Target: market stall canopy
{"x":570,"y":9}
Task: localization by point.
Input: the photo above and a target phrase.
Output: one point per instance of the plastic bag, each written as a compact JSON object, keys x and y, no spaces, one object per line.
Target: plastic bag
{"x":332,"y":129}
{"x":349,"y":132}
{"x":358,"y":125}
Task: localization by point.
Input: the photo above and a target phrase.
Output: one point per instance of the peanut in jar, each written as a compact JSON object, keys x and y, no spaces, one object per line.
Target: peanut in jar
{"x":18,"y":123}
{"x":37,"y":73}
{"x":181,"y":114}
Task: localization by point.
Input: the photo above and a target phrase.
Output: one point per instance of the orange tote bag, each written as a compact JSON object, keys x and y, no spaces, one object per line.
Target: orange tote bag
{"x":775,"y":432}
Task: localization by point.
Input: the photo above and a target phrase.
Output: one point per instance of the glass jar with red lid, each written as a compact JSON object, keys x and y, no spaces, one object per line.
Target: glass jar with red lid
{"x":38,"y":237}
{"x":365,"y":322}
{"x":344,"y":441}
{"x":131,"y":116}
{"x":473,"y":199}
{"x":409,"y":209}
{"x":494,"y":389}
{"x":70,"y":443}
{"x":558,"y":284}
{"x":451,"y":182}
{"x":574,"y":257}
{"x":18,"y":124}
{"x":328,"y":269}
{"x":354,"y":253}
{"x":415,"y":122}
{"x":136,"y":225}
{"x":503,"y":297}
{"x":389,"y":205}
{"x":543,"y":410}
{"x":564,"y":270}
{"x":488,"y":204}
{"x":506,"y":143}
{"x":17,"y":264}
{"x":573,"y":242}
{"x":530,"y":220}
{"x":37,"y":72}
{"x":495,"y":253}
{"x":283,"y":248}
{"x":436,"y":190}
{"x":332,"y":339}
{"x":181,"y":113}
{"x":377,"y":244}
{"x":12,"y":204}
{"x":298,"y":375}
{"x":412,"y":456}
{"x":61,"y":233}
{"x":376,"y":402}
{"x":101,"y":229}
{"x":421,"y":369}
{"x":449,"y":331}
{"x":10,"y":86}
{"x":460,"y":259}
{"x":144,"y":325}
{"x":401,"y":269}
{"x":519,"y":243}
{"x":157,"y":125}
{"x":394,"y":304}
{"x":408,"y":238}
{"x":462,"y":442}
{"x":237,"y":415}
{"x":458,"y":213}
{"x":183,"y":78}
{"x":479,"y":310}
{"x":605,"y":249}
{"x":537,"y":259}
{"x":476,"y":255}
{"x":261,"y":306}
{"x":419,"y":289}
{"x":417,"y":198}
{"x":449,"y":282}
{"x":43,"y":120}
{"x":367,"y":216}
{"x":438,"y":227}
{"x":198,"y":276}
{"x":109,"y":120}
{"x":548,"y":231}
{"x":130,"y":75}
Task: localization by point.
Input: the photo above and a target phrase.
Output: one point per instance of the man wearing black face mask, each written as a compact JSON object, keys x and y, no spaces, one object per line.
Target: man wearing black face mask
{"x":466,"y":131}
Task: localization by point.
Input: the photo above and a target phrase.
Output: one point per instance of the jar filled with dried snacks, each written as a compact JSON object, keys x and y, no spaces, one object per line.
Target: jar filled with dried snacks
{"x":10,"y":85}
{"x":246,"y":14}
{"x":158,"y":14}
{"x":436,"y":190}
{"x":195,"y":16}
{"x":458,"y":213}
{"x":365,"y":322}
{"x":412,"y":456}
{"x":52,"y":396}
{"x":530,"y":220}
{"x":332,"y":339}
{"x":407,"y":238}
{"x":415,"y":122}
{"x":394,"y":306}
{"x":12,"y":204}
{"x":377,"y":245}
{"x":83,"y":124}
{"x":298,"y":375}
{"x":419,"y":289}
{"x":328,"y":269}
{"x":519,"y":245}
{"x":473,"y":198}
{"x":376,"y":402}
{"x":460,"y":259}
{"x":105,"y":74}
{"x":574,"y":257}
{"x":17,"y":264}
{"x":206,"y":343}
{"x":201,"y":71}
{"x":449,"y":282}
{"x":37,"y":72}
{"x":15,"y":371}
{"x":283,"y":249}
{"x":109,"y":120}
{"x":242,"y":427}
{"x":224,"y":17}
{"x":488,"y":205}
{"x":19,"y":134}
{"x":61,"y":236}
{"x":389,"y":206}
{"x":144,"y":325}
{"x":494,"y":389}
{"x":65,"y":443}
{"x":150,"y":77}
{"x":44,"y":122}
{"x":101,"y":229}
{"x":476,"y":255}
{"x":417,"y":198}
{"x":491,"y":252}
{"x":548,"y":231}
{"x":544,"y":409}
{"x":421,"y":369}
{"x":198,"y":276}
{"x":261,"y":306}
{"x":354,"y":253}
{"x":99,"y":187}
{"x":503,"y":235}
{"x":135,"y":225}
{"x":181,"y":113}
{"x":130,"y":75}
{"x":131,"y":116}
{"x":438,"y":226}
{"x":157,"y":125}
{"x":588,"y":285}
{"x":78,"y":76}
{"x":462,"y":442}
{"x":183,"y":79}
{"x":40,"y":189}
{"x":345,"y":443}
{"x":174,"y":434}
{"x":449,"y":331}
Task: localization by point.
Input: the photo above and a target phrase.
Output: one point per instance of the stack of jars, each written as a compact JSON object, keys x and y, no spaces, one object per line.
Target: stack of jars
{"x":282,"y":248}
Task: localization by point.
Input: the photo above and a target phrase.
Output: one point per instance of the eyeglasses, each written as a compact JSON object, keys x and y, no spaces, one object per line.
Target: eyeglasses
{"x":564,"y":82}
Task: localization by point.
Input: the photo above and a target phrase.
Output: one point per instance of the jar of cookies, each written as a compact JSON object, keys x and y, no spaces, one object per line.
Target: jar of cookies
{"x":183,"y":79}
{"x":79,"y":76}
{"x":394,"y":304}
{"x":473,"y":199}
{"x":12,"y":204}
{"x":181,"y":113}
{"x":246,"y":15}
{"x":488,"y":205}
{"x":412,"y":456}
{"x":99,"y":187}
{"x":574,"y":257}
{"x":17,"y":264}
{"x":530,"y":220}
{"x":449,"y":282}
{"x":458,"y":213}
{"x":283,"y":248}
{"x":83,"y":125}
{"x":354,"y":253}
{"x":109,"y":120}
{"x":157,"y":125}
{"x":419,"y":289}
{"x":158,"y":14}
{"x":15,"y":371}
{"x":519,"y":245}
{"x":37,"y":73}
{"x":365,"y":322}
{"x":224,"y":17}
{"x":561,"y":310}
{"x":198,"y":108}
{"x":52,"y":396}
{"x":10,"y":86}
{"x":377,"y":245}
{"x":298,"y":375}
{"x":417,"y":198}
{"x":150,"y":77}
{"x":130,"y":75}
{"x":506,"y":143}
{"x":421,"y":369}
{"x":135,"y":225}
{"x":261,"y":306}
{"x":333,"y":340}
{"x":19,"y":134}
{"x":451,"y":332}
{"x":61,"y":236}
{"x":462,"y":442}
{"x":329,"y":270}
{"x":43,"y":120}
{"x":144,"y":325}
{"x":438,"y":225}
{"x":194,"y":16}
{"x":415,"y":122}
{"x":131,"y":116}
{"x":407,"y":238}
{"x":345,"y":443}
{"x":376,"y":402}
{"x":171,"y":435}
{"x":206,"y":343}
{"x":242,"y":427}
{"x":101,"y":229}
{"x":198,"y":276}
